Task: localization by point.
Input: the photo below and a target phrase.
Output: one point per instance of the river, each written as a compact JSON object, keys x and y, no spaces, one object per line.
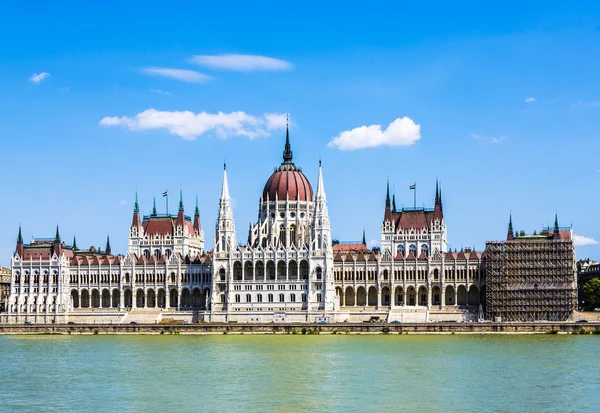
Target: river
{"x":297,"y":373}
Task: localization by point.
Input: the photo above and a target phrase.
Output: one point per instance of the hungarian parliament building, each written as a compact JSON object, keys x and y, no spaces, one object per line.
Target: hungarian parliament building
{"x":290,"y":268}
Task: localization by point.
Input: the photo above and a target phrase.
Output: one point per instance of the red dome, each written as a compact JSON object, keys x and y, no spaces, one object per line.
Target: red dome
{"x":288,"y":182}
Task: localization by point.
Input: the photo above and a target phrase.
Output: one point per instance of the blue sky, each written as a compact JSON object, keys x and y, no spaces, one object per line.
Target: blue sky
{"x":507,"y":99}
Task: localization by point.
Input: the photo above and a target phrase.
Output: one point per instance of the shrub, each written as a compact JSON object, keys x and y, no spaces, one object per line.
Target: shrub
{"x":303,"y":330}
{"x":385,"y":330}
{"x":553,"y":331}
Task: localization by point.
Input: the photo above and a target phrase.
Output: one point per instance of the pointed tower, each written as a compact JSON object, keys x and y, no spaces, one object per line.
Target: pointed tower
{"x":135,"y":222}
{"x":393,"y":202}
{"x":387,"y":215}
{"x":74,"y":246}
{"x":321,"y":253}
{"x":57,"y":247}
{"x":20,"y":245}
{"x":108,"y":250}
{"x":154,"y":207}
{"x":287,"y":150}
{"x":364,"y":240}
{"x":511,"y":235}
{"x":225,"y":239}
{"x":180,"y":214}
{"x":556,"y":232}
{"x":197,"y":227}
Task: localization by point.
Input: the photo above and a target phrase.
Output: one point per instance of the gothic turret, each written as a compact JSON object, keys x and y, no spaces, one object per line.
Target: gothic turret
{"x":108,"y":249}
{"x":225,"y":239}
{"x":74,"y":246}
{"x":180,"y":214}
{"x":387,"y":216}
{"x":510,"y":236}
{"x":57,"y":243}
{"x":556,"y":232}
{"x":136,"y":222}
{"x":20,"y":246}
{"x":197,"y":227}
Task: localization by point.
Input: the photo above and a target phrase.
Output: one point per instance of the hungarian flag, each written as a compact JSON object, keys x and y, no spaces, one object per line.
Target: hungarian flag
{"x":413,"y":186}
{"x":165,"y":193}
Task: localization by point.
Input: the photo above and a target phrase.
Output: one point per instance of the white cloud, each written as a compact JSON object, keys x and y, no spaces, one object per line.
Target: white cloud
{"x":490,"y":139}
{"x":160,"y":92}
{"x":580,"y":241}
{"x":37,"y":78}
{"x":190,"y":76}
{"x":123,"y":203}
{"x":276,"y":120}
{"x":373,"y":243}
{"x":241,"y":62}
{"x":530,"y":99}
{"x":401,"y":132}
{"x":190,"y":125}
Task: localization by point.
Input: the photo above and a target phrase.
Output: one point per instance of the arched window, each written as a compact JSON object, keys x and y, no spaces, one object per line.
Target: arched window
{"x":222,"y":274}
{"x":237,"y":298}
{"x":147,"y":254}
{"x":270,"y":298}
{"x":413,"y":249}
{"x":248,"y":298}
{"x":222,"y":298}
{"x":264,"y":242}
{"x":293,"y":235}
{"x":259,"y":298}
{"x":319,"y":272}
{"x":168,"y":253}
{"x":425,"y":249}
{"x":292,"y":298}
{"x":281,"y":298}
{"x":303,"y":298}
{"x":126,"y":277}
{"x":282,"y":235}
{"x":400,"y":249}
{"x":172,"y":277}
{"x":157,"y":253}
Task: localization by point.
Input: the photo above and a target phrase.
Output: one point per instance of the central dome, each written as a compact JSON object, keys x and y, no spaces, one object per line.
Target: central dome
{"x":288,"y":181}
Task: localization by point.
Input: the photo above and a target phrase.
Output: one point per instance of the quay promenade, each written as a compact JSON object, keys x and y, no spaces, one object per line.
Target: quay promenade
{"x":312,"y":328}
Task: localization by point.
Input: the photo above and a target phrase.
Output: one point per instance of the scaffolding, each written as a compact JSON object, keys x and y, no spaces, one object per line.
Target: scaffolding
{"x":530,"y":279}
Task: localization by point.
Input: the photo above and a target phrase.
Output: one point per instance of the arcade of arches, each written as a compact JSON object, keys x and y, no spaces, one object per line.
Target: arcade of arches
{"x":371,"y":296}
{"x":195,"y":298}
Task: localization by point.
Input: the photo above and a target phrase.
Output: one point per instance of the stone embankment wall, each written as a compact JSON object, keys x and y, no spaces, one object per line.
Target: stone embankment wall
{"x":288,"y":328}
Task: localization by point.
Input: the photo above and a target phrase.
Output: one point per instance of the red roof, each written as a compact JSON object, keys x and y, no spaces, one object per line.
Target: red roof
{"x":449,"y":255}
{"x":399,"y":255}
{"x":288,"y":182}
{"x":422,"y":256}
{"x":411,"y":256}
{"x":461,"y":255}
{"x":164,"y":226}
{"x":350,"y":248}
{"x":337,"y":257}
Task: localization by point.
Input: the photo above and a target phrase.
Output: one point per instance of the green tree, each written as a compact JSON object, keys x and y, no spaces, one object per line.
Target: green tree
{"x":591,"y":294}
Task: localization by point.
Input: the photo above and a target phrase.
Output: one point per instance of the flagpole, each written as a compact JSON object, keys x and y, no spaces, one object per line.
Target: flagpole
{"x":167,"y":196}
{"x":415,"y":195}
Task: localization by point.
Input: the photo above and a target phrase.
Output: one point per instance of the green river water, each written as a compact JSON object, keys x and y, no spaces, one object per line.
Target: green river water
{"x":296,"y":373}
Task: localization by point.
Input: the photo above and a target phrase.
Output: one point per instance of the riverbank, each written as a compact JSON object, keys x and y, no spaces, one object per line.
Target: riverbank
{"x":289,"y":328}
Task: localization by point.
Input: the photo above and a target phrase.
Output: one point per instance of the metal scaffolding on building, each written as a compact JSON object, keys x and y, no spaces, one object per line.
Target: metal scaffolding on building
{"x":530,"y":279}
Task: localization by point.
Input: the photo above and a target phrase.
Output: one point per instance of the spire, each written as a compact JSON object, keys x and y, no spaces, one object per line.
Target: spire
{"x":387,"y":215}
{"x":57,"y":237}
{"x":364,"y":240}
{"x":136,"y":206}
{"x":225,"y":185}
{"x":394,"y":203}
{"x":108,"y":250}
{"x":287,"y":151}
{"x":20,"y":247}
{"x":320,"y":187}
{"x":154,"y":207}
{"x":510,"y":234}
{"x":180,"y":200}
{"x":197,"y":217}
{"x":556,"y":228}
{"x":74,"y":246}
{"x":20,"y":237}
{"x":387,"y":196}
{"x":438,"y":196}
